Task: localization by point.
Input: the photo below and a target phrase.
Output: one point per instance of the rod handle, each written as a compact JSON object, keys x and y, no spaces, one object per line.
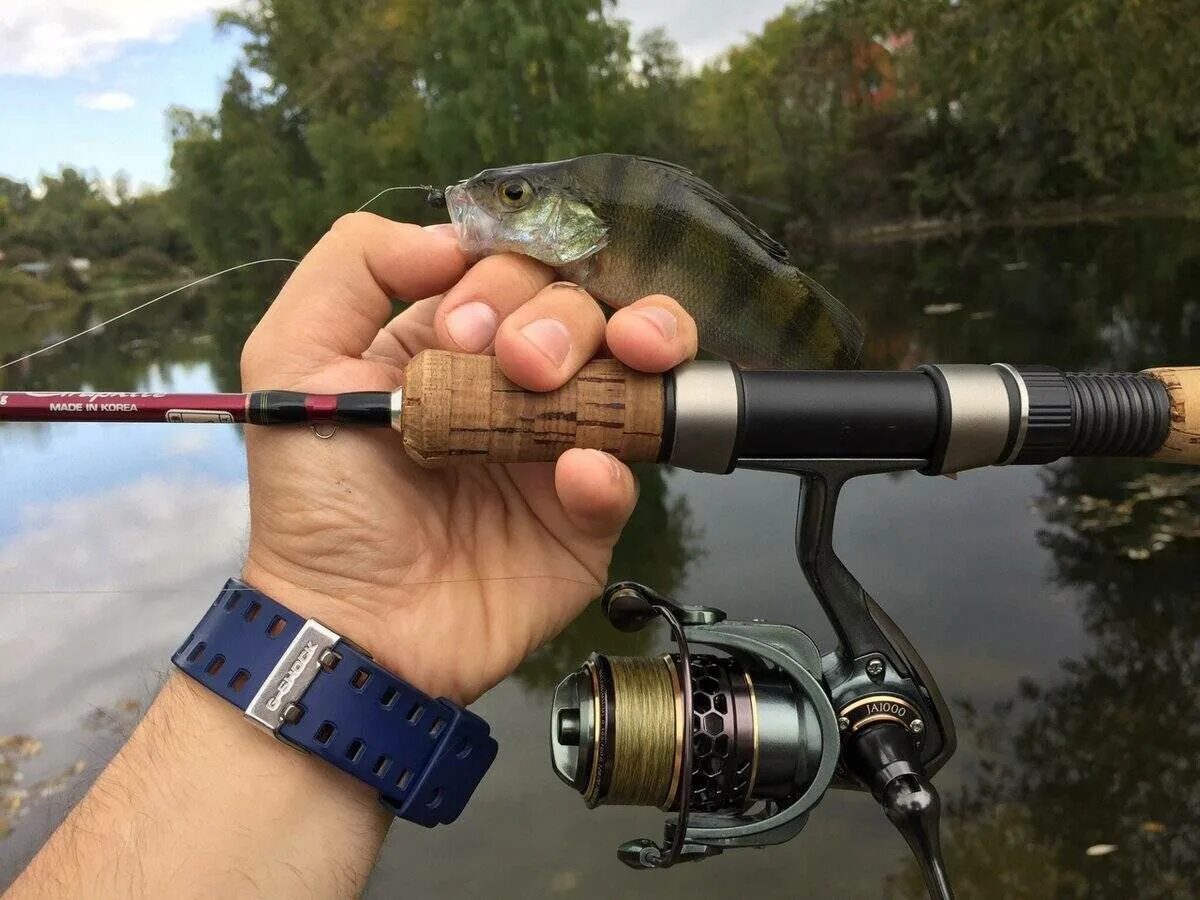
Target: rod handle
{"x":461,"y":408}
{"x":1183,"y":439}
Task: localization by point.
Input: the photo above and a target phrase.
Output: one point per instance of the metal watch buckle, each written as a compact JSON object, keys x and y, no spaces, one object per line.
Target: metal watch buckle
{"x":308,"y":654}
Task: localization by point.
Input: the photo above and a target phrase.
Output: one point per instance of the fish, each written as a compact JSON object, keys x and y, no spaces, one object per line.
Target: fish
{"x":623,"y":227}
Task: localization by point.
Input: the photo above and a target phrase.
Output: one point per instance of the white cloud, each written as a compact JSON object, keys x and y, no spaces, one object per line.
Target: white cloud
{"x":702,"y":28}
{"x":107,"y":101}
{"x":53,"y":37}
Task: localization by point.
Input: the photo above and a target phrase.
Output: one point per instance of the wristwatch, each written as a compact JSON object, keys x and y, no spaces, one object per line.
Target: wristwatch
{"x":315,"y":690}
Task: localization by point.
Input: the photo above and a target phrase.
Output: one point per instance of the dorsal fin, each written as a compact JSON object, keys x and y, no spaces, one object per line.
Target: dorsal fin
{"x":702,"y":188}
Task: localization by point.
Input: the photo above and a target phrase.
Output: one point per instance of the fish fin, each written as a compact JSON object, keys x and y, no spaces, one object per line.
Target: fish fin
{"x":845,"y":325}
{"x":702,"y":188}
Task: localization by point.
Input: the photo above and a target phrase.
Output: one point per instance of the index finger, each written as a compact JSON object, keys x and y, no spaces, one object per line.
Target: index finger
{"x":341,"y":293}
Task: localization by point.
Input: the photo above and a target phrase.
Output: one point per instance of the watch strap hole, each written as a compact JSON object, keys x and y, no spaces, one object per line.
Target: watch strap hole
{"x":324,"y":734}
{"x":389,"y":697}
{"x":278,"y":624}
{"x":355,"y":751}
{"x":414,"y":714}
{"x":359,"y":679}
{"x":239,"y":679}
{"x":215,"y":664}
{"x":381,"y":766}
{"x":196,"y":651}
{"x":253,"y":610}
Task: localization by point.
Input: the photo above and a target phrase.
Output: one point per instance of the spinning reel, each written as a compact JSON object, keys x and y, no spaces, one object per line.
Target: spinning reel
{"x":742,"y":730}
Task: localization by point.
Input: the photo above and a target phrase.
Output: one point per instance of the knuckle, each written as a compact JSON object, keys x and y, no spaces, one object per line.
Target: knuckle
{"x":251,"y":358}
{"x":353,"y":223}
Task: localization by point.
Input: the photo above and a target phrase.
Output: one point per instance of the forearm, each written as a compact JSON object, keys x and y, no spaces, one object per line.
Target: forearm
{"x":201,"y":803}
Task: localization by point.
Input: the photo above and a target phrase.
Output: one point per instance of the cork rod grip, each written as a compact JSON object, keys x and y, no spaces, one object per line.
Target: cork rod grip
{"x":1183,"y":440}
{"x":461,"y":408}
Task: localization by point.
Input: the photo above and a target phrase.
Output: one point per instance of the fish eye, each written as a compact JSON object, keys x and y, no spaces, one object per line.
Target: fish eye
{"x":515,"y":192}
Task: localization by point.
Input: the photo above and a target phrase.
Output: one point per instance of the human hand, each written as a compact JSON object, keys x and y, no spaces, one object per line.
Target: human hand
{"x":449,"y":578}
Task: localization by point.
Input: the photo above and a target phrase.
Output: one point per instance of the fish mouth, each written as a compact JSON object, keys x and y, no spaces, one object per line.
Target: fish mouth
{"x":475,"y":226}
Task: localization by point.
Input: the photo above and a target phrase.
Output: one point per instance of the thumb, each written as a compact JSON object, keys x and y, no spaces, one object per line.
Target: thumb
{"x":597,"y":492}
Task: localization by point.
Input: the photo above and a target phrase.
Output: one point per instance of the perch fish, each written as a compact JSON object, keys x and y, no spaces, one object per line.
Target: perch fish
{"x":624,"y":227}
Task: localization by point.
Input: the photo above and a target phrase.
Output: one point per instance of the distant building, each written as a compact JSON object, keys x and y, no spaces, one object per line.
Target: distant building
{"x":875,"y":82}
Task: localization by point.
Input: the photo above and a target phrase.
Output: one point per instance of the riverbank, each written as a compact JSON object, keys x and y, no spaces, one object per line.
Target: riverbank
{"x":1184,"y":203}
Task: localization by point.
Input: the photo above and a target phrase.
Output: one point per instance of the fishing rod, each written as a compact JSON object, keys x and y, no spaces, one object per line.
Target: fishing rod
{"x":740,"y":739}
{"x":711,"y":416}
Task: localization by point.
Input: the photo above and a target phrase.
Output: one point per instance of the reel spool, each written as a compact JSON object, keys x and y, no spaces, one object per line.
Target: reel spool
{"x":743,"y":741}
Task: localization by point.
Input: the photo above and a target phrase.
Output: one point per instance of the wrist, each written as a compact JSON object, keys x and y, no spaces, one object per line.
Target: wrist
{"x":365,"y":615}
{"x":316,"y":689}
{"x":336,"y":604}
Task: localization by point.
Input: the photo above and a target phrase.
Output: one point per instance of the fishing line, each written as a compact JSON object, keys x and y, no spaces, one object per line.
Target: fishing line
{"x":428,"y":188}
{"x":129,"y":312}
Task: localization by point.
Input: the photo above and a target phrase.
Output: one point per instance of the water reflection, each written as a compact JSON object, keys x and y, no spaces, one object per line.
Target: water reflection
{"x":997,"y":577}
{"x":1089,"y":783}
{"x":658,"y":544}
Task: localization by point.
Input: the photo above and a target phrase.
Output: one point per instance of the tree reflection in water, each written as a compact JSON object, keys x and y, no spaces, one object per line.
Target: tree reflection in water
{"x":656,"y":547}
{"x":1109,"y":753}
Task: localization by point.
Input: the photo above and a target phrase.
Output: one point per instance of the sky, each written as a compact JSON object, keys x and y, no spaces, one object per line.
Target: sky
{"x":88,"y":82}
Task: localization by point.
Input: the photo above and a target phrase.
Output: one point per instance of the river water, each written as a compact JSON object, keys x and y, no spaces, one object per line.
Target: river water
{"x":1057,"y":606}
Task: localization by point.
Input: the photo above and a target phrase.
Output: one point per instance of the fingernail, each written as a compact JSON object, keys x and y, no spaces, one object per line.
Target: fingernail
{"x":551,"y":337}
{"x":614,"y":467}
{"x":660,"y":319}
{"x":472,"y":326}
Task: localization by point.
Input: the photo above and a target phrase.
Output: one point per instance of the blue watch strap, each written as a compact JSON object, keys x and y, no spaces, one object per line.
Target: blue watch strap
{"x":316,"y":690}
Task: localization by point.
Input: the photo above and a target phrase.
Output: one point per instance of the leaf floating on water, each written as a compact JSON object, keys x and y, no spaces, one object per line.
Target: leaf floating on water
{"x":1159,"y":511}
{"x":941,"y":309}
{"x":1101,"y":849}
{"x":21,"y":746}
{"x":564,"y":882}
{"x":14,"y":801}
{"x":11,"y":801}
{"x":118,"y":720}
{"x":51,"y":786}
{"x":1152,"y":827}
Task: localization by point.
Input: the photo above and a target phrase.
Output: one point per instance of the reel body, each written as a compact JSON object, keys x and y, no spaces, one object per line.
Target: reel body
{"x":742,"y":739}
{"x":751,"y":743}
